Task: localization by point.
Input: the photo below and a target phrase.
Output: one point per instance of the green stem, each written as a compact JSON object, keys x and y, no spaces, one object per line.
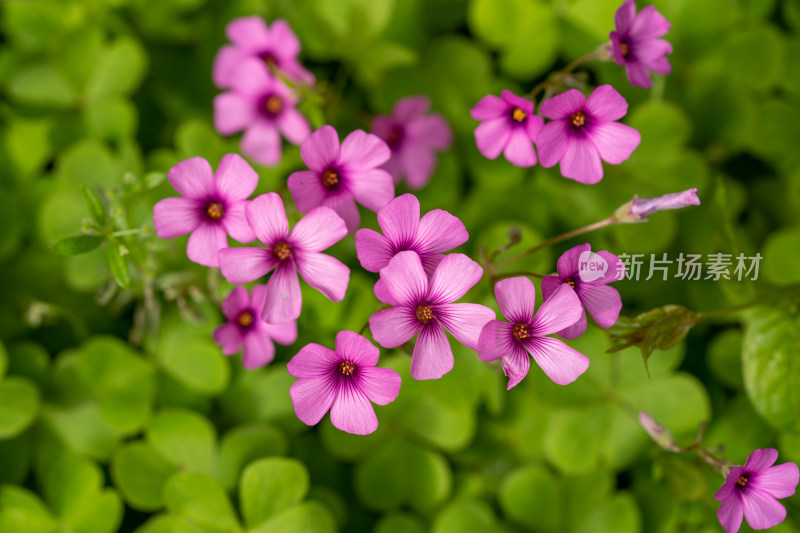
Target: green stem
{"x":558,"y":76}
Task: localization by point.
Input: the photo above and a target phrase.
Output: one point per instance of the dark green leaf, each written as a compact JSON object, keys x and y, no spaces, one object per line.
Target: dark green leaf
{"x":94,"y":205}
{"x":118,"y":265}
{"x":79,"y":244}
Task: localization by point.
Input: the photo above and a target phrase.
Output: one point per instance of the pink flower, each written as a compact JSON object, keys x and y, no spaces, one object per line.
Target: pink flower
{"x":583,"y":132}
{"x":589,"y":275}
{"x":340,"y":177}
{"x":414,"y":137}
{"x":263,"y":106}
{"x":425,"y":307}
{"x":437,"y":232}
{"x":525,"y":333}
{"x":644,"y":207}
{"x":245,"y":327}
{"x":344,"y":381}
{"x":752,"y":490}
{"x":635,"y":43}
{"x":212,"y":206}
{"x":508,"y":126}
{"x":288,"y":253}
{"x":252,"y":38}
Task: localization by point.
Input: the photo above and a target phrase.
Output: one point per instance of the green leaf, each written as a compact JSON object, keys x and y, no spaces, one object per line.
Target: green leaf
{"x":307,"y":517}
{"x":119,"y":265}
{"x":79,"y":244}
{"x":781,"y":257}
{"x":140,"y":473}
{"x":196,"y":363}
{"x":618,"y":515}
{"x":201,"y":501}
{"x":42,"y":85}
{"x":22,"y":511}
{"x":112,"y":119}
{"x":245,"y":444}
{"x":3,"y":360}
{"x":94,"y":205}
{"x":771,"y":366}
{"x":399,"y":523}
{"x":119,"y":70}
{"x":15,"y":458}
{"x":724,"y":358}
{"x":19,"y":404}
{"x":88,"y":162}
{"x":29,"y":144}
{"x":468,"y":516}
{"x":667,"y":332}
{"x":83,"y":429}
{"x":185,"y":439}
{"x":679,"y":402}
{"x":269,"y":486}
{"x":531,"y":497}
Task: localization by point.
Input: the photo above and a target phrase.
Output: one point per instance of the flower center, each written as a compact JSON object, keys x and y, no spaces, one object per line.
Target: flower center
{"x":520,"y":331}
{"x":347,"y":368}
{"x":424,"y":313}
{"x":282,"y":250}
{"x":273,"y":105}
{"x":578,"y":119}
{"x":269,"y":59}
{"x":330,"y":179}
{"x":245,"y":319}
{"x":743,"y":479}
{"x":518,"y":114}
{"x":395,"y":137}
{"x":570,"y":282}
{"x":214,"y":211}
{"x":624,"y":49}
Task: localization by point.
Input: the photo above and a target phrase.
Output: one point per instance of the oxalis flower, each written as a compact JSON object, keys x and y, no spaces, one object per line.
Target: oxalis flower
{"x":508,"y":126}
{"x":752,"y":490}
{"x":343,"y":381}
{"x":340,"y":177}
{"x":525,"y":332}
{"x":425,"y":307}
{"x":588,"y":274}
{"x":635,"y":43}
{"x":212,"y":207}
{"x":251,"y":37}
{"x":432,"y":235}
{"x":288,"y":253}
{"x":638,"y":209}
{"x":583,"y":132}
{"x":246,"y":328}
{"x":263,"y":107}
{"x":414,"y":137}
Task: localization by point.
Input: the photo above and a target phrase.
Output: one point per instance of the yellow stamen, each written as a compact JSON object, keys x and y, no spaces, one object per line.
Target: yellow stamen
{"x":245,"y":319}
{"x":347,"y":368}
{"x":282,"y":250}
{"x":273,"y":105}
{"x":520,"y":331}
{"x":571,"y":282}
{"x":215,"y":211}
{"x":424,"y":313}
{"x":743,"y":479}
{"x":623,"y":47}
{"x":578,"y":119}
{"x":330,"y":178}
{"x":518,"y":114}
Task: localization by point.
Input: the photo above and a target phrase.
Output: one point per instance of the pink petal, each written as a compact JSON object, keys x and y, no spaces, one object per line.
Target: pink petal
{"x":318,"y":230}
{"x":581,"y":162}
{"x":243,"y":265}
{"x":285,"y":333}
{"x":432,"y":357}
{"x":232,"y":112}
{"x":615,"y":142}
{"x":563,"y":105}
{"x":495,"y":340}
{"x":235,"y":179}
{"x":173,"y":217}
{"x":780,"y":481}
{"x":312,"y":398}
{"x":602,"y":302}
{"x":382,"y":294}
{"x":561,"y":363}
{"x":568,"y":262}
{"x":372,"y":188}
{"x":454,"y":276}
{"x":325,"y":273}
{"x":559,"y":311}
{"x":252,"y":79}
{"x":380,"y":385}
{"x":516,"y":298}
{"x":551,"y":143}
{"x":575,"y":330}
{"x":284,"y":300}
{"x":519,"y":150}
{"x":729,"y":486}
{"x":492,"y":136}
{"x":730,"y":514}
{"x":262,"y":142}
{"x":761,"y":459}
{"x":236,"y":302}
{"x":267,"y":218}
{"x":345,"y":207}
{"x":616,"y":269}
{"x":533,"y":125}
{"x":549,"y":286}
{"x":373,"y":250}
{"x":352,"y":412}
{"x":313,"y":361}
{"x":432,"y":132}
{"x":350,"y":346}
{"x":307,"y":190}
{"x":761,"y":510}
{"x":392,"y":327}
{"x":295,"y":71}
{"x":249,"y":33}
{"x":283,"y":39}
{"x":228,"y":336}
{"x":440,"y":232}
{"x":293,"y":126}
{"x":226,"y":62}
{"x":411,"y":107}
{"x":205,"y":242}
{"x":516,"y":366}
{"x":623,"y":18}
{"x":405,"y":279}
{"x":235,"y":222}
{"x":606,"y":104}
{"x":321,"y":149}
{"x":258,"y":350}
{"x":638,"y":75}
{"x":363,"y":151}
{"x":514,"y":100}
{"x":419,"y":163}
{"x":465,"y":321}
{"x":649,"y":24}
{"x":399,"y":219}
{"x":193,"y":178}
{"x":489,"y":107}
{"x":382,"y":126}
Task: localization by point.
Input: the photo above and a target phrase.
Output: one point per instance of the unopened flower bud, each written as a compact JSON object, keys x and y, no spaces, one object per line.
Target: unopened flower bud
{"x":657,"y":432}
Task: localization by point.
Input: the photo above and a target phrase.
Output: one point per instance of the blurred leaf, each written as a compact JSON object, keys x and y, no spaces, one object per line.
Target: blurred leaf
{"x":724,"y":357}
{"x":270,"y":486}
{"x":468,"y":516}
{"x":94,"y":205}
{"x":399,"y":523}
{"x":15,"y":458}
{"x":185,"y":439}
{"x":19,"y":404}
{"x":83,"y":429}
{"x":197,"y":364}
{"x":22,"y":511}
{"x":686,"y":481}
{"x":112,"y":119}
{"x":201,"y":501}
{"x":28,"y":144}
{"x":3,"y":360}
{"x":679,"y":402}
{"x":307,"y":517}
{"x":781,"y":257}
{"x":88,"y":162}
{"x":42,"y":85}
{"x":78,"y":53}
{"x":532,"y":497}
{"x":243,"y":445}
{"x":118,"y":70}
{"x":754,"y":56}
{"x":140,"y":473}
{"x":118,"y":265}
{"x":668,"y":331}
{"x":618,"y":515}
{"x":197,"y":138}
{"x":382,"y":56}
{"x":79,"y":244}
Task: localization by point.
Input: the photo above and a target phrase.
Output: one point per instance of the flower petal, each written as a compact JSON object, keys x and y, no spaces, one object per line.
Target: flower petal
{"x":258,"y":350}
{"x":495,"y":340}
{"x":551,"y":143}
{"x":284,"y":334}
{"x":249,"y":33}
{"x":516,"y":298}
{"x":293,"y":126}
{"x":492,"y":136}
{"x":243,"y":265}
{"x":559,"y":311}
{"x":615,"y":142}
{"x":321,"y":149}
{"x":567,"y":265}
{"x":373,"y":250}
{"x":562,"y":105}
{"x":649,"y":24}
{"x":623,"y":18}
{"x":312,"y":398}
{"x":605,"y":104}
{"x":313,"y":361}
{"x":226,"y":62}
{"x":516,"y":366}
{"x":615,"y":270}
{"x":193,"y":178}
{"x":405,"y":280}
{"x":380,"y":385}
{"x":549,"y":286}
{"x":284,"y":300}
{"x":236,"y":302}
{"x":575,"y":330}
{"x":489,"y":107}
{"x":761,"y":510}
{"x":345,"y":207}
{"x":372,"y":188}
{"x":318,"y":230}
{"x":602,"y":302}
{"x":455,"y":275}
{"x":284,"y":40}
{"x":729,"y":486}
{"x":440,"y":232}
{"x":779,"y":480}
{"x":382,"y":294}
{"x":517,"y":101}
{"x":235,"y":222}
{"x":410,"y":107}
{"x":419,"y":163}
{"x":465,"y":321}
{"x":519,"y":150}
{"x":392,"y":327}
{"x":561,"y":363}
{"x":638,"y":75}
{"x":363,"y":151}
{"x":761,"y":459}
{"x":252,"y":79}
{"x":325,"y":273}
{"x":581,"y":162}
{"x":205,"y":242}
{"x":431,"y":132}
{"x":432,"y":357}
{"x":173,"y":217}
{"x":229,"y":337}
{"x":399,"y":219}
{"x":267,"y":218}
{"x":232,"y":112}
{"x":730,"y":514}
{"x":350,"y":346}
{"x":307,"y":190}
{"x":262,"y":142}
{"x":352,"y":412}
{"x":235,"y":179}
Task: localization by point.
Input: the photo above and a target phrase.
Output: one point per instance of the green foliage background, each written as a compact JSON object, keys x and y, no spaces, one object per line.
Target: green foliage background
{"x":165,"y":434}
